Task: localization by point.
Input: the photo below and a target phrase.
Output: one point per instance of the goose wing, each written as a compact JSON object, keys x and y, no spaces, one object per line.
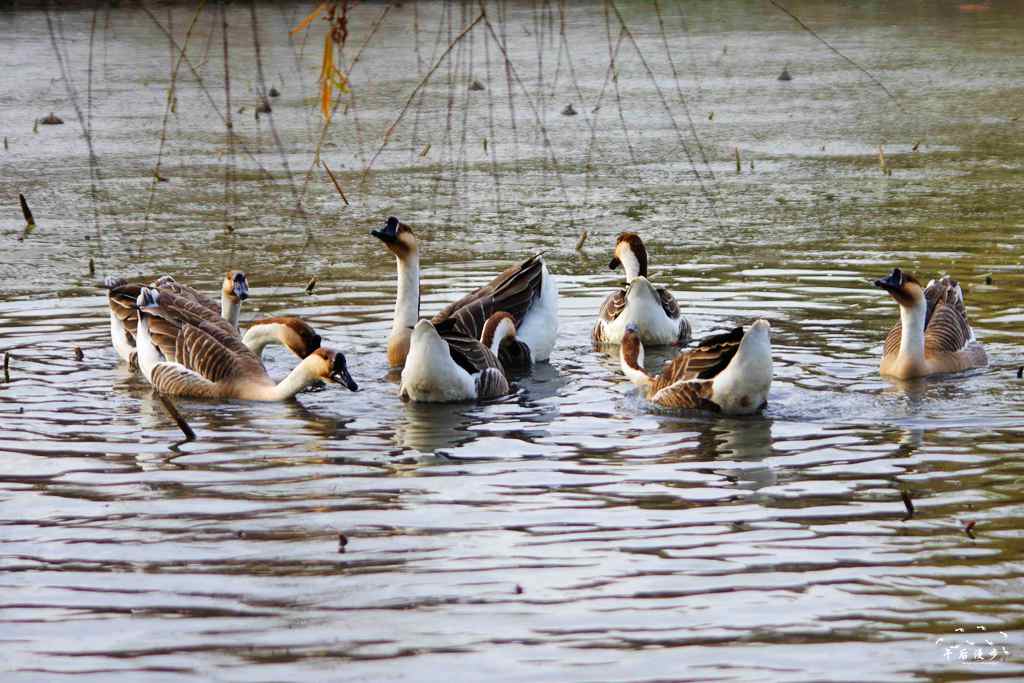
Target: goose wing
{"x":710,"y":356}
{"x":947,"y":329}
{"x":513,"y":291}
{"x":686,"y":394}
{"x":612,"y":307}
{"x":187,"y":333}
{"x":176,"y":380}
{"x":169,"y":284}
{"x":668,"y":303}
{"x":471,"y":355}
{"x":121,"y":298}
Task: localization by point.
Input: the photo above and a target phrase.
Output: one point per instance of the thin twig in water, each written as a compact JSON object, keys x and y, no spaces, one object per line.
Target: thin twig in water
{"x":7,"y":367}
{"x":334,"y":180}
{"x":26,"y":212}
{"x":909,"y":504}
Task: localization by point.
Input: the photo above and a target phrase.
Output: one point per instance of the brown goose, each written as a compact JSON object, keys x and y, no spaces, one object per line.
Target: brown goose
{"x":453,"y":367}
{"x":653,"y":310}
{"x":527,"y":291}
{"x":729,"y":373}
{"x":183,"y":352}
{"x":291,"y":333}
{"x":933,"y":335}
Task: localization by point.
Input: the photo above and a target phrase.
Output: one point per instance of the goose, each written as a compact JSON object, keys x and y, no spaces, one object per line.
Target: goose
{"x":653,"y":310}
{"x":453,"y":368}
{"x":183,"y":352}
{"x":933,"y":335}
{"x":527,"y":291}
{"x":290,"y":332}
{"x":728,"y":373}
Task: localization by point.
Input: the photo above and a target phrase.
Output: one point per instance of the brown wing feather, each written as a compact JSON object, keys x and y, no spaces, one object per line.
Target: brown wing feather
{"x":492,"y":383}
{"x":174,"y":380}
{"x":710,"y":357}
{"x":686,"y":394}
{"x":169,"y":284}
{"x":611,"y":309}
{"x":471,"y":355}
{"x":668,"y":303}
{"x":948,"y":330}
{"x":513,"y":291}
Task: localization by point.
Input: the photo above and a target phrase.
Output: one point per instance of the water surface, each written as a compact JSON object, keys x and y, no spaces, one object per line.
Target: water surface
{"x":566,"y":532}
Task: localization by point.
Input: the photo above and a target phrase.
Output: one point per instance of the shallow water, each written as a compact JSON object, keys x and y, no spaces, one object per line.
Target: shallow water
{"x":566,"y":532}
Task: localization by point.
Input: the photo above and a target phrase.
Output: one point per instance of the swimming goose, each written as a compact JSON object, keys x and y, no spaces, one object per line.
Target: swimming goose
{"x":454,"y":367}
{"x":933,"y":335}
{"x":290,"y":332}
{"x":728,"y":373}
{"x":653,"y":310}
{"x":183,"y":352}
{"x":526,"y":291}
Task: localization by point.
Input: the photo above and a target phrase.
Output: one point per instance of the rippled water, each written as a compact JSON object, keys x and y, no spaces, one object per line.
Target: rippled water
{"x":566,"y":532}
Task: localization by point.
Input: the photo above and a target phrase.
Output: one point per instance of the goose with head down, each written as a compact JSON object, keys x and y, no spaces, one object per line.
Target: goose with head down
{"x":290,"y":332}
{"x":183,"y":352}
{"x":728,"y":373}
{"x":653,"y":310}
{"x":933,"y":335}
{"x":526,"y":291}
{"x":450,"y":368}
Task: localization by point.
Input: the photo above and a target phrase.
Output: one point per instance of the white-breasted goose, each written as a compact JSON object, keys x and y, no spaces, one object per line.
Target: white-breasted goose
{"x":729,"y":373}
{"x":653,"y":310}
{"x":933,"y":335}
{"x":526,"y":291}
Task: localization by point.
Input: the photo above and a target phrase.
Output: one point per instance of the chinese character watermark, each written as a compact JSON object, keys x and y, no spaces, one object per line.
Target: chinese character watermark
{"x":977,"y":645}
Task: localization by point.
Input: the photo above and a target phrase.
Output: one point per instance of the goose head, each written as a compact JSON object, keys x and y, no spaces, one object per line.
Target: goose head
{"x":903,"y":287}
{"x":300,"y":338}
{"x":631,"y":254}
{"x":397,"y":237}
{"x":236,"y":286}
{"x":330,"y":366}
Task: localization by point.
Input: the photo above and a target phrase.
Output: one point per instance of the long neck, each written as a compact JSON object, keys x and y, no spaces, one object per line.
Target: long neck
{"x":631,"y":358}
{"x":912,"y":336}
{"x":297,"y":380}
{"x":258,"y":337}
{"x":229,"y":308}
{"x":407,"y":305}
{"x":632,"y":263}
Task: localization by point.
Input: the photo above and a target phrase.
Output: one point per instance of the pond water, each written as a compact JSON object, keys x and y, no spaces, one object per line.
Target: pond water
{"x":566,"y":532}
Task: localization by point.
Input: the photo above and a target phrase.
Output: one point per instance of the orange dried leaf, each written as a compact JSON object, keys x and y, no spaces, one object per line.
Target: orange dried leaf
{"x":304,"y":24}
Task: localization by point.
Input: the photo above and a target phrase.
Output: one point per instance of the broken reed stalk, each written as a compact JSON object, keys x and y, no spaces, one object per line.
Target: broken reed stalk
{"x":582,"y":240}
{"x":7,"y":367}
{"x":334,"y":180}
{"x":182,"y":424}
{"x":26,"y":212}
{"x":908,"y":503}
{"x":739,"y":169}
